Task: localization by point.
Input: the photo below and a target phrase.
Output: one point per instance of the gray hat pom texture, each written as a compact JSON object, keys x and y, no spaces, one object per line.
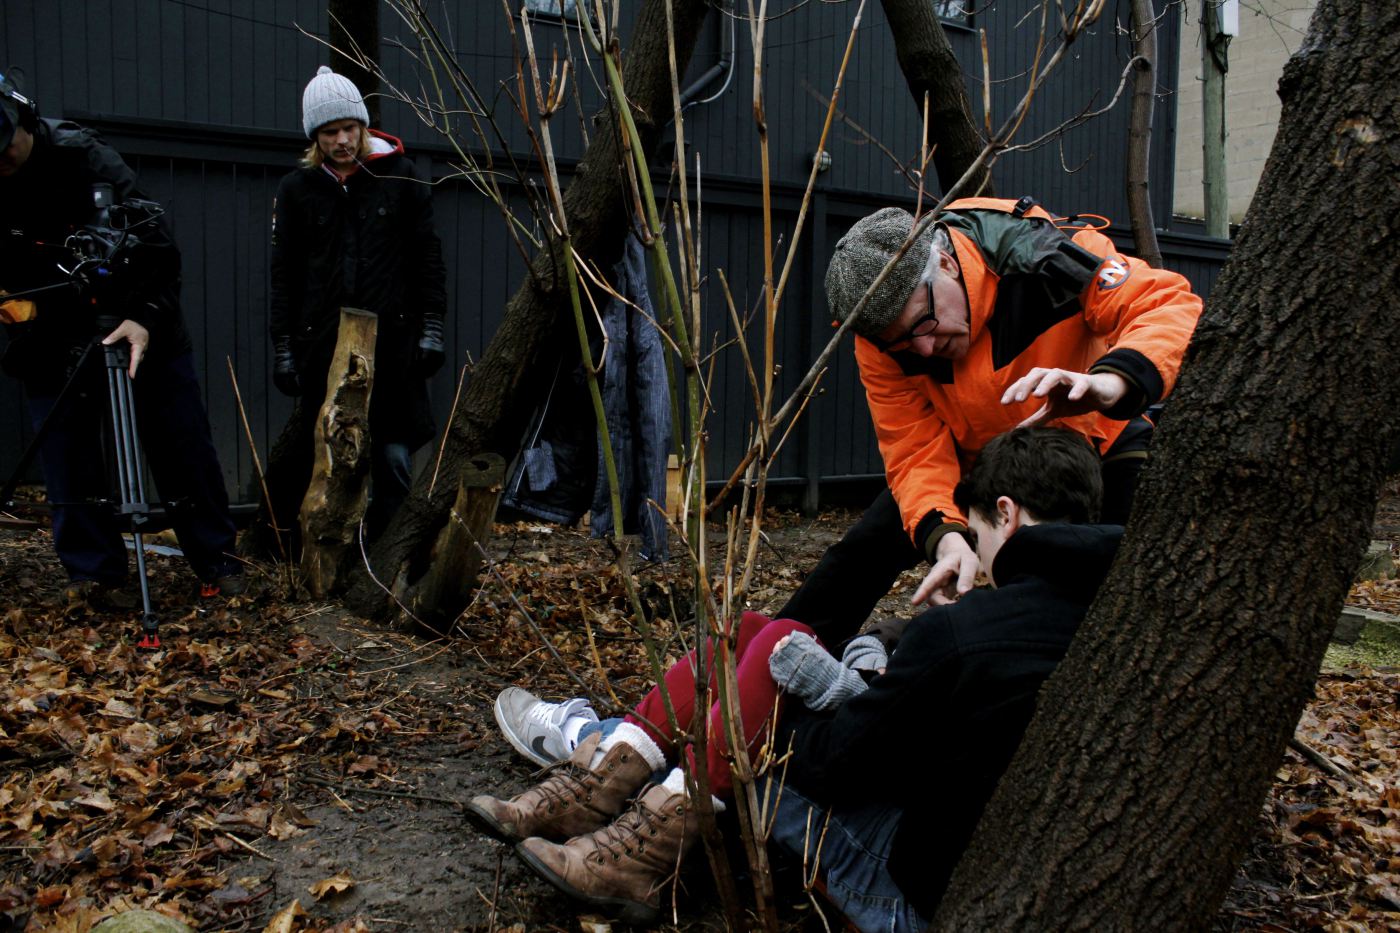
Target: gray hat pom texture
{"x":329,"y":97}
{"x":861,"y":254}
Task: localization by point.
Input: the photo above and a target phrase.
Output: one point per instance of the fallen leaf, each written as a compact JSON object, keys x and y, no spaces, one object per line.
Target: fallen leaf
{"x":328,"y":886}
{"x":285,"y":918}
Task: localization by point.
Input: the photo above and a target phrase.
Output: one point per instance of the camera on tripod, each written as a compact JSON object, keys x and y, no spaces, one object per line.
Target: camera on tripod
{"x":111,"y":246}
{"x":103,"y":261}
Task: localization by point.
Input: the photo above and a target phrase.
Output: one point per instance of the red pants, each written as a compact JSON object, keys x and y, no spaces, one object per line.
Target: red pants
{"x":757,"y":695}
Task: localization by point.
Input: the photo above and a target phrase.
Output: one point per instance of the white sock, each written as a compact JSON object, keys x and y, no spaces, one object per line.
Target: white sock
{"x":675,"y":783}
{"x":571,"y":728}
{"x":634,"y":736}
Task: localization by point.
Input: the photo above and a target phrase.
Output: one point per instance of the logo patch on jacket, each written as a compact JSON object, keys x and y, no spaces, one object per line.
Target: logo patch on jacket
{"x":1112,"y":273}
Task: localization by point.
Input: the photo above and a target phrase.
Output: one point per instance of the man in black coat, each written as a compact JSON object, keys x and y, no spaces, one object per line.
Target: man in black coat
{"x":353,"y":227}
{"x":50,"y":172}
{"x":906,"y":765}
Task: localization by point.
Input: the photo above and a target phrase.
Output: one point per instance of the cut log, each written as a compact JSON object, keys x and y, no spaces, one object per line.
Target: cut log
{"x":339,"y":489}
{"x":446,"y":589}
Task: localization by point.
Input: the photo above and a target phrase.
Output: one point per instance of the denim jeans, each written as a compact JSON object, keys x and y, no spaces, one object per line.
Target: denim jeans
{"x":853,"y":858}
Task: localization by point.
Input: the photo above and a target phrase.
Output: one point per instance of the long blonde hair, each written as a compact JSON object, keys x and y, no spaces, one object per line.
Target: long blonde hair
{"x":313,"y":157}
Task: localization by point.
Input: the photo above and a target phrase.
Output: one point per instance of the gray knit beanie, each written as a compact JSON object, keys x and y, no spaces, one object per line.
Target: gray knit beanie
{"x":861,"y":254}
{"x":328,"y":97}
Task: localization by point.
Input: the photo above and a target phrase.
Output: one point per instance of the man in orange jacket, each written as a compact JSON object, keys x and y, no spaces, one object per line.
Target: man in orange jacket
{"x":993,"y":317}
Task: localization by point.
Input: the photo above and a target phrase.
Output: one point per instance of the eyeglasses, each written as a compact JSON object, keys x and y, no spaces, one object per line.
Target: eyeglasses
{"x":920,"y":328}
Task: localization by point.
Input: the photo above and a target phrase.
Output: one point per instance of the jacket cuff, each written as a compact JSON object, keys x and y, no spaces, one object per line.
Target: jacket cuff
{"x":1144,"y":382}
{"x":932,"y":529}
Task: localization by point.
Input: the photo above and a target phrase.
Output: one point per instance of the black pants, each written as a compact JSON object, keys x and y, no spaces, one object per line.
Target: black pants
{"x":857,"y":571}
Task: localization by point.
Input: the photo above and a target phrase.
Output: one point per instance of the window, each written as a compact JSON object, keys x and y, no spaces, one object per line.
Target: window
{"x":957,"y":12}
{"x":559,"y":9}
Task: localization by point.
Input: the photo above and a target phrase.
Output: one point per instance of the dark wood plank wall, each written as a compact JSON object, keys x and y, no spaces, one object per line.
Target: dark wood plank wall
{"x":203,"y":96}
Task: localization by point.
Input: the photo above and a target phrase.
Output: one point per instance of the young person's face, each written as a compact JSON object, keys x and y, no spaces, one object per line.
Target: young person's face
{"x":989,"y":533}
{"x":940,"y":293}
{"x":339,"y":142}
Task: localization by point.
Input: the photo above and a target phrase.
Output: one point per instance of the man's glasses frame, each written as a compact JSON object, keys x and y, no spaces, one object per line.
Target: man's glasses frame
{"x":920,"y":328}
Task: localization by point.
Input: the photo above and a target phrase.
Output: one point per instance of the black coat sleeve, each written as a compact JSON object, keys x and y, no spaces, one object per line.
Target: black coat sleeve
{"x":834,"y":757}
{"x":288,"y":261}
{"x":427,"y":274}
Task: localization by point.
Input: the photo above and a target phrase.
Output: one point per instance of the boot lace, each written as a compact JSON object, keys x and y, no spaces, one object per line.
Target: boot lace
{"x":637,"y":824}
{"x":569,"y":784}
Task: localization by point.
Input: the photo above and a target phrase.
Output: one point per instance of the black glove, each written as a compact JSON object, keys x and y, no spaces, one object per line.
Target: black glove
{"x":284,"y":367}
{"x":430,"y":350}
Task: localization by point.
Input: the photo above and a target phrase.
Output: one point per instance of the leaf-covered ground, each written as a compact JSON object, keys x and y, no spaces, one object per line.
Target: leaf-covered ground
{"x":283,"y":765}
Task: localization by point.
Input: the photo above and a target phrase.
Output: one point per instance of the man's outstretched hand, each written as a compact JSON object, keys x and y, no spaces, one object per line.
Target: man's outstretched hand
{"x":954,"y":571}
{"x":1066,"y":393}
{"x":134,"y":334}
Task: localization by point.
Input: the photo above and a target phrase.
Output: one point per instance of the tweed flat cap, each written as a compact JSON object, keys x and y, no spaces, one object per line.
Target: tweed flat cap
{"x":859,"y":257}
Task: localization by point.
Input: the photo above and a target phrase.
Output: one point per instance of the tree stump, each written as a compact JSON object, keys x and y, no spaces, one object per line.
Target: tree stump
{"x":447,"y":586}
{"x":339,"y":489}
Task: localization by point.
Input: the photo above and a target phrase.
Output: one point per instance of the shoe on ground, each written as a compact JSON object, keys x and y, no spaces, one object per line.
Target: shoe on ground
{"x":536,"y":728}
{"x":621,"y":868}
{"x":572,"y":800}
{"x":224,"y":587}
{"x":100,"y":597}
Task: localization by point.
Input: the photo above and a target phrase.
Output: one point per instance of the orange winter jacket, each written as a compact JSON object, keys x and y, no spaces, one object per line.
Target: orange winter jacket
{"x":1112,"y":313}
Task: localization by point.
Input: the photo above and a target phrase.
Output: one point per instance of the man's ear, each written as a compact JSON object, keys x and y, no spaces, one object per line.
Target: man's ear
{"x":1010,"y":515}
{"x":948,"y":264}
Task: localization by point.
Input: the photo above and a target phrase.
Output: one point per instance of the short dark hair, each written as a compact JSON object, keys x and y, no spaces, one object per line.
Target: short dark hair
{"x":1050,"y":472}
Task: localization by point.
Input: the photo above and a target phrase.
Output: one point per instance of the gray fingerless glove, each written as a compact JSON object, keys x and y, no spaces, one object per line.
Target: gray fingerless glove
{"x":803,"y":668}
{"x":866,"y":653}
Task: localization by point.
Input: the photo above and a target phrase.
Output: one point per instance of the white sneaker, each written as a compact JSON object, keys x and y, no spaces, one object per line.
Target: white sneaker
{"x":538,"y":730}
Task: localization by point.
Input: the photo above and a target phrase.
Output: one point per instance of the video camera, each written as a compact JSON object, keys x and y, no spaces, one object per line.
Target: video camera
{"x":107,"y":251}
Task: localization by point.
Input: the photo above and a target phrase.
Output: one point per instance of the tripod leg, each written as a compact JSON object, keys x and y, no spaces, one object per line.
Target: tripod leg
{"x":131,"y":481}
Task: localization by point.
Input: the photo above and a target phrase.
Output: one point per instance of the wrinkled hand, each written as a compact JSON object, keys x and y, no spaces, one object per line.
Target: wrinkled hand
{"x":1066,"y":393}
{"x":954,"y":571}
{"x":137,"y":336}
{"x":431,"y":352}
{"x":284,"y":367}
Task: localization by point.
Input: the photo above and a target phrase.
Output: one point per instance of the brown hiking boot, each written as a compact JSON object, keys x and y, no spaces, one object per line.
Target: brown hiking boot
{"x":622,"y":867}
{"x":571,"y":801}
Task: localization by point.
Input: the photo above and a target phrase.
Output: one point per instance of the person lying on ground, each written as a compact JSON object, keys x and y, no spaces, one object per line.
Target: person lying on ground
{"x":968,"y":672}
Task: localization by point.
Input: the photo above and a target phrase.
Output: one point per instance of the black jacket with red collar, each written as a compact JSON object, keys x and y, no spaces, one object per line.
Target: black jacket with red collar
{"x":364,"y":241}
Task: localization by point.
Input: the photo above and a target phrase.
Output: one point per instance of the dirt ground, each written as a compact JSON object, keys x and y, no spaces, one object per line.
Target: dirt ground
{"x":283,"y":765}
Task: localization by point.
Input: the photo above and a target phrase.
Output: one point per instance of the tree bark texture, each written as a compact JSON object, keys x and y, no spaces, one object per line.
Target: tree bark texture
{"x":931,"y":68}
{"x":508,"y":384}
{"x":1133,"y":797}
{"x":355,"y":25}
{"x":1144,"y":37}
{"x":339,"y":489}
{"x":456,"y":559}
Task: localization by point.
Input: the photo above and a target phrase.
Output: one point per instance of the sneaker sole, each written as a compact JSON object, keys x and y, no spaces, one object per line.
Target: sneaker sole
{"x":515,"y":741}
{"x":627,"y":911}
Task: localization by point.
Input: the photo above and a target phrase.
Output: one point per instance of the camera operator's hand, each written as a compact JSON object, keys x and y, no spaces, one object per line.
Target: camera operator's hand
{"x":284,"y":367}
{"x":134,"y":334}
{"x":431,"y":352}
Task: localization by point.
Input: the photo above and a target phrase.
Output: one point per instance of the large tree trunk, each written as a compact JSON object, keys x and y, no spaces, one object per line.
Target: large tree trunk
{"x":1135,"y":793}
{"x":506,"y":385}
{"x":931,"y":68}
